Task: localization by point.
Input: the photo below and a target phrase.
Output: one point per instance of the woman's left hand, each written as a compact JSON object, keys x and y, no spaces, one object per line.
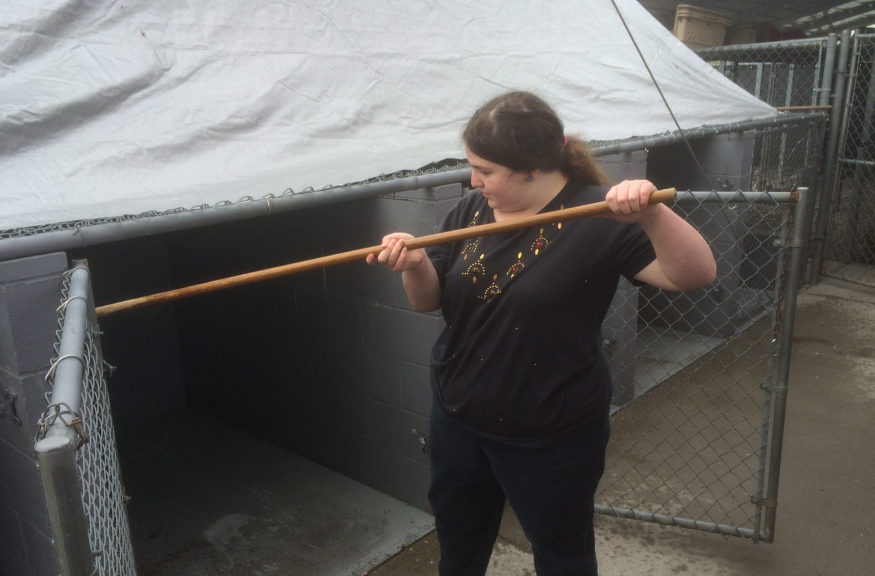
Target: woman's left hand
{"x":629,"y":199}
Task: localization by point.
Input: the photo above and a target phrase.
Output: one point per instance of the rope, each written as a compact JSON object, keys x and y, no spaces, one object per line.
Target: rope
{"x":661,"y":95}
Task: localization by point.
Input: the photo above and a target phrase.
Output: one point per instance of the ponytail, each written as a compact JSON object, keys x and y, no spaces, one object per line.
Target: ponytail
{"x":578,"y":163}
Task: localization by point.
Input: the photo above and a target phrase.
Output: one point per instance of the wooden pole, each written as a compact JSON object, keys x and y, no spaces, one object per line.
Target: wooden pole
{"x":587,"y":210}
{"x":802,"y":108}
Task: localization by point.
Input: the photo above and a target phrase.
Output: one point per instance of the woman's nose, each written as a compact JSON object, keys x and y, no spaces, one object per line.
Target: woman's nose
{"x":476,"y":181}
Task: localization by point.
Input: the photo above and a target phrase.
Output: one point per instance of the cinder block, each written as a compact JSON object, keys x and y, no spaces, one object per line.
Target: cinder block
{"x":443,"y":207}
{"x":435,"y":194}
{"x":625,"y":165}
{"x":336,"y":228}
{"x":144,"y":347}
{"x":32,"y":267}
{"x":353,"y":413}
{"x":316,"y":444}
{"x":411,"y":216}
{"x":393,"y":430}
{"x":400,"y":334}
{"x":417,"y":212}
{"x":726,"y":158}
{"x":416,"y":388}
{"x":13,"y":558}
{"x":40,"y":551}
{"x":333,"y":319}
{"x":27,"y":333}
{"x":29,"y":404}
{"x":376,"y":284}
{"x":385,"y":471}
{"x":370,"y":374}
{"x":22,"y":486}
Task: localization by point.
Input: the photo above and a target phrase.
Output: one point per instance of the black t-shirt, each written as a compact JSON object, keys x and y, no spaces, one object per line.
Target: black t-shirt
{"x":519,"y":359}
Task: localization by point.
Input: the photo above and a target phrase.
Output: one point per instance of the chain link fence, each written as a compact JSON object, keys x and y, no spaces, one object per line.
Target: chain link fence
{"x":837,"y":74}
{"x":698,"y":376}
{"x":693,"y":448}
{"x":783,"y":74}
{"x":851,"y":236}
{"x":77,"y":428}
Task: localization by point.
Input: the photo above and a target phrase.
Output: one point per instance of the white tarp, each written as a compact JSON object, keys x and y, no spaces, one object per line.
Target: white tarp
{"x":117,"y":107}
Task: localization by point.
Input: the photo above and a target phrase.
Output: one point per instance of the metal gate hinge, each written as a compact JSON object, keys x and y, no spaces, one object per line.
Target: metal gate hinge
{"x":767,"y":502}
{"x":772,"y":387}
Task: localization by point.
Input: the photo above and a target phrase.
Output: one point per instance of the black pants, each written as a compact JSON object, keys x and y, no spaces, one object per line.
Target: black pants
{"x":551,"y":490}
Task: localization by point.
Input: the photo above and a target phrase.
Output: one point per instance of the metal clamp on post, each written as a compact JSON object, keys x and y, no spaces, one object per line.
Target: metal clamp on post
{"x":55,"y":412}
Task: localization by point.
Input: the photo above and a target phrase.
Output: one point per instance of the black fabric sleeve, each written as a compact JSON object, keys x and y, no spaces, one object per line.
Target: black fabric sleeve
{"x":636,"y":252}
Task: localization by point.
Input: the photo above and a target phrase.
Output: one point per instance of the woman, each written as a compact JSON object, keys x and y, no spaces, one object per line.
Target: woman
{"x":522,"y":390}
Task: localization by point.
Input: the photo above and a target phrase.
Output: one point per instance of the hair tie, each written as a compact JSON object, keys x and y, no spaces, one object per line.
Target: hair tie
{"x":566,"y":141}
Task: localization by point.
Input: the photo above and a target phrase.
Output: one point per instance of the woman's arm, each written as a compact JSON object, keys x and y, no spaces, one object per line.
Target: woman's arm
{"x":418,"y":275}
{"x":683,"y":258}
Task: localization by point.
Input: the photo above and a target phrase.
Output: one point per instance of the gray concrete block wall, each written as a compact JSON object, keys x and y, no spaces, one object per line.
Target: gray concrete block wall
{"x":30,"y":290}
{"x":370,"y":349}
{"x":625,"y":165}
{"x":143,"y":345}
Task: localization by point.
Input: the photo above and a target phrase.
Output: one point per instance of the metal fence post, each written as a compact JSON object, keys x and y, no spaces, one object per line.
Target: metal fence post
{"x":57,"y":463}
{"x":831,"y":159}
{"x":791,"y":289}
{"x":60,"y":436}
{"x":828,"y":67}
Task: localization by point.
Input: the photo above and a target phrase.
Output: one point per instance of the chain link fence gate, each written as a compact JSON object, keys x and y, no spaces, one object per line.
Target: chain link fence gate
{"x":697,"y":443}
{"x":695,"y":447}
{"x":76,"y":446}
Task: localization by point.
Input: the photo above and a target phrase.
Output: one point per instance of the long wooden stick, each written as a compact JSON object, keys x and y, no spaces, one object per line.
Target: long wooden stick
{"x":594,"y":209}
{"x":802,"y":108}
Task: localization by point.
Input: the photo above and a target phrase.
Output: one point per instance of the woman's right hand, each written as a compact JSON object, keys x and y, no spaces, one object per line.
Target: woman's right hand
{"x":395,"y":255}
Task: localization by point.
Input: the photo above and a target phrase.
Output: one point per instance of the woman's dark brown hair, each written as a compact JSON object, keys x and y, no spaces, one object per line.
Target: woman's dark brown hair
{"x":522,"y":132}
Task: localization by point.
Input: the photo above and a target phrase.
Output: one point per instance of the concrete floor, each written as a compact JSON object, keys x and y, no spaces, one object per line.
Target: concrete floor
{"x":210,"y":500}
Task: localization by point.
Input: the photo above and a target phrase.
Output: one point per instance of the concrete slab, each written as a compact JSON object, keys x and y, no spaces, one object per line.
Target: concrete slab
{"x":208,"y":499}
{"x":824,"y":524}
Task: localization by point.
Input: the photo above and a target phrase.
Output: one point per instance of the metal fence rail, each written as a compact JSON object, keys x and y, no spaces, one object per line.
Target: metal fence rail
{"x":702,"y":449}
{"x":76,"y":446}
